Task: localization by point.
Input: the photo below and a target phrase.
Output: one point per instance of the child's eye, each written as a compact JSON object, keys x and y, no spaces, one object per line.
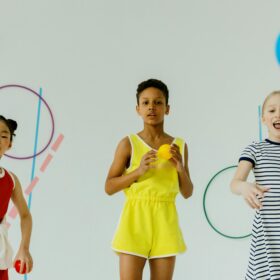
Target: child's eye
{"x":145,"y":103}
{"x":271,"y":111}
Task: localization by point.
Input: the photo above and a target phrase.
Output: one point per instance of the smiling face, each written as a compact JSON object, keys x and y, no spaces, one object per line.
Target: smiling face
{"x":271,"y":116}
{"x":152,"y":106}
{"x":5,"y":138}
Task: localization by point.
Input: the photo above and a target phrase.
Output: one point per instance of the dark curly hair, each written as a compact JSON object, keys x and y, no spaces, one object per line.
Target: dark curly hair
{"x":11,"y":124}
{"x":152,"y":83}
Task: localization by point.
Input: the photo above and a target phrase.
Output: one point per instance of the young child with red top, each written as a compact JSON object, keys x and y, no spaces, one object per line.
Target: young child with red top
{"x":10,"y":189}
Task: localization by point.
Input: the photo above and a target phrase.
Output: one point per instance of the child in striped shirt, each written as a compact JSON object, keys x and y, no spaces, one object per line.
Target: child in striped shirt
{"x":264,"y":195}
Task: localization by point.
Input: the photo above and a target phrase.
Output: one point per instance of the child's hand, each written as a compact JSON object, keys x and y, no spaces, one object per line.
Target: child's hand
{"x":252,"y":193}
{"x":147,"y":162}
{"x":176,"y":158}
{"x":25,"y":257}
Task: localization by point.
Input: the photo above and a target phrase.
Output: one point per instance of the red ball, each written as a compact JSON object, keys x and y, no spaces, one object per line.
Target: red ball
{"x":17,"y":267}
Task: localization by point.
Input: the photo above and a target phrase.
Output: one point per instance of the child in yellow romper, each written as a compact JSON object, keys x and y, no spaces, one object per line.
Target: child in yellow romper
{"x":149,"y":228}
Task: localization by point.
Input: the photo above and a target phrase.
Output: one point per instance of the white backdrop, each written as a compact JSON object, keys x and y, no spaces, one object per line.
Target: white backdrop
{"x":218,"y":60}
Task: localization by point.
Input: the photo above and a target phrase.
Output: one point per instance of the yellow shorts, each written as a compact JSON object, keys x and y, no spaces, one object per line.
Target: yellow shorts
{"x":149,"y":228}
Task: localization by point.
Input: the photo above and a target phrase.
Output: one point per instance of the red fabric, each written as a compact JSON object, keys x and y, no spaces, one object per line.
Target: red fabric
{"x":6,"y":190}
{"x":4,"y":275}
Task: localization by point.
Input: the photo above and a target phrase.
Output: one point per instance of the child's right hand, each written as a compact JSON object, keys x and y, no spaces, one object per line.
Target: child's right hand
{"x":25,"y":260}
{"x":252,"y":193}
{"x":147,"y":162}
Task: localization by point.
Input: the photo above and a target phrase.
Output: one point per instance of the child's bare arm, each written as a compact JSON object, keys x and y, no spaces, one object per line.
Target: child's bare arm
{"x":23,"y":253}
{"x":249,"y":191}
{"x":185,"y":183}
{"x":116,"y":180}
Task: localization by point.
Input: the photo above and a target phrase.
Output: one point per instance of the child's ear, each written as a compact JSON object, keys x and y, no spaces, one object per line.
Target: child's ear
{"x":137,"y":110}
{"x":167,"y":110}
{"x":11,"y":144}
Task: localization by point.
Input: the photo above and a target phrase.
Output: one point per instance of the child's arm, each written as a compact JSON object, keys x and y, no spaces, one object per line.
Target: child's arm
{"x":116,"y":180}
{"x":249,"y":191}
{"x":23,"y":253}
{"x":185,"y":183}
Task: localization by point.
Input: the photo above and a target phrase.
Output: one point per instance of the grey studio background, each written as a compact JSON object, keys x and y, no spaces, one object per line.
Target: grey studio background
{"x":218,"y":60}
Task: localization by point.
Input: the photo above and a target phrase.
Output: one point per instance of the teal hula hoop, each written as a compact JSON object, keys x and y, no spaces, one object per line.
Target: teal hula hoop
{"x":205,"y":211}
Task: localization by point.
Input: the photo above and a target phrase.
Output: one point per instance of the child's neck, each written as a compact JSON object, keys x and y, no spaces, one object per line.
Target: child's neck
{"x":274,"y":138}
{"x":152,"y":132}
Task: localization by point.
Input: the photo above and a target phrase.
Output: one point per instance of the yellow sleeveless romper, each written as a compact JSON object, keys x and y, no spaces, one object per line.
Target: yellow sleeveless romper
{"x":149,"y":225}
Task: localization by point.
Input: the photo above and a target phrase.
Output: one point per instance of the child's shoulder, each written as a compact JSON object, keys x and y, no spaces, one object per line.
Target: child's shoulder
{"x":256,"y":147}
{"x":124,"y":145}
{"x":124,"y":142}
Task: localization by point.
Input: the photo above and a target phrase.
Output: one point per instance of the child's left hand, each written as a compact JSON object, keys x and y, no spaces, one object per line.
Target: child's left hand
{"x":176,"y":158}
{"x":25,"y":257}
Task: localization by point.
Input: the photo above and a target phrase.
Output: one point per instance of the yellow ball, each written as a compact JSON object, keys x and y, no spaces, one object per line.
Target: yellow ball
{"x":164,"y":151}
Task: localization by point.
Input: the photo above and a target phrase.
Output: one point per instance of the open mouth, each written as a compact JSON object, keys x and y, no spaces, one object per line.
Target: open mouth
{"x":276,"y":124}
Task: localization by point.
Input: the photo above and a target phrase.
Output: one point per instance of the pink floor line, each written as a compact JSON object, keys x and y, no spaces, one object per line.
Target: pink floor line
{"x":31,"y":186}
{"x":46,"y":162}
{"x":57,"y":143}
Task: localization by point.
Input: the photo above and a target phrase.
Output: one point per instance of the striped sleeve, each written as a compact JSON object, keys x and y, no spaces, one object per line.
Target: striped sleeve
{"x":249,"y":154}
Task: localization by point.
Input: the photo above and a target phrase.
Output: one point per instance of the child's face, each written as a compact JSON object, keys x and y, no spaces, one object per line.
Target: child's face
{"x":152,"y":106}
{"x":5,"y":136}
{"x":271,"y":117}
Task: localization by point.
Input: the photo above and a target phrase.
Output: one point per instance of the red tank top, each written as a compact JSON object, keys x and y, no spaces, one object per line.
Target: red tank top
{"x":6,"y":190}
